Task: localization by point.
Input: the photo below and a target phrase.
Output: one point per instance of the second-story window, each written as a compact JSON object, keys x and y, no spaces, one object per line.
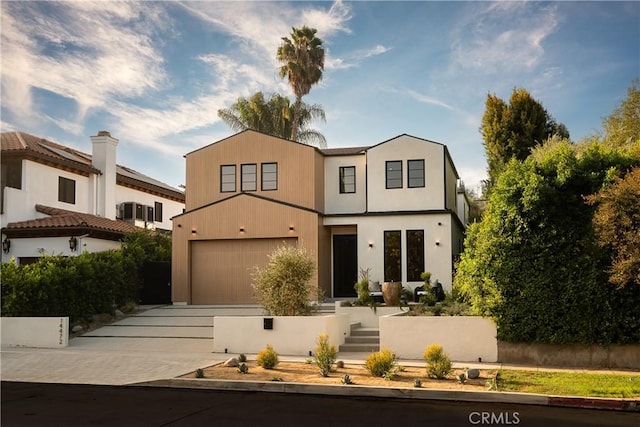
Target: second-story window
{"x":249,"y":177}
{"x":347,"y":179}
{"x":157,"y":212}
{"x":269,"y":176}
{"x":227,"y":178}
{"x":416,"y":173}
{"x":66,"y":190}
{"x":394,"y":174}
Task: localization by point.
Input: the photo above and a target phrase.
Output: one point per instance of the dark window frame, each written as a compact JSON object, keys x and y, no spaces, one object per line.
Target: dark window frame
{"x":66,"y":190}
{"x":265,"y":179}
{"x":243,"y":183}
{"x":415,"y":255}
{"x":344,"y":189}
{"x":389,"y":179}
{"x":409,"y":170}
{"x":392,"y":260}
{"x":222,"y":180}
{"x":157,"y":211}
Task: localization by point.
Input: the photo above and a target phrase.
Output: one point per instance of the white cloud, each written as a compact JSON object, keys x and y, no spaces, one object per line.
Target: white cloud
{"x":503,"y":36}
{"x":427,"y":99}
{"x":84,"y":51}
{"x":353,"y":59}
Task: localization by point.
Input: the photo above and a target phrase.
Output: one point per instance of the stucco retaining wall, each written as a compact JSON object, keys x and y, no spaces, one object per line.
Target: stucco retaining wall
{"x":291,"y":335}
{"x":584,"y":356}
{"x":39,"y":332}
{"x":366,"y":316}
{"x":464,"y":338}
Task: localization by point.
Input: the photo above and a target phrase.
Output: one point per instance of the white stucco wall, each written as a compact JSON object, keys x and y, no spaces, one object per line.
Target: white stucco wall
{"x":437,"y":228}
{"x":334,"y":202}
{"x":36,"y":247}
{"x":291,"y":335}
{"x":366,"y":316}
{"x":37,"y":332}
{"x":404,"y":148}
{"x":40,"y":186}
{"x":170,"y":208}
{"x":464,"y":338}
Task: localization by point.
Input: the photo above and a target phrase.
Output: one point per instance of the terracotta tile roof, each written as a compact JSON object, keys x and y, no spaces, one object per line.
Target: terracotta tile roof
{"x":61,"y":220}
{"x":22,"y":144}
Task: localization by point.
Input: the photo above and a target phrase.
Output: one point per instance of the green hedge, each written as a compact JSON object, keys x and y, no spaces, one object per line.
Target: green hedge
{"x":81,"y":286}
{"x":534,"y":263}
{"x":68,"y":286}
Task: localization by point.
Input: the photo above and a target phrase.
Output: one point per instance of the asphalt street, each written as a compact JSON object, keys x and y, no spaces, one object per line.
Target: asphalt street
{"x":38,"y":404}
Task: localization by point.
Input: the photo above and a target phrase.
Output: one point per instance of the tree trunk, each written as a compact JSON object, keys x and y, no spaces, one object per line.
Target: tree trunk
{"x":296,"y":118}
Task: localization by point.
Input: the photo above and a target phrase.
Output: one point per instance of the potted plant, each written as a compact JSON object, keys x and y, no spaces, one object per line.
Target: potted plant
{"x":391,"y":292}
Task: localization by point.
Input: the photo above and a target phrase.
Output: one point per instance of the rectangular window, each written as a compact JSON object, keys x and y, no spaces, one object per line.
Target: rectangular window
{"x":66,"y":190}
{"x":415,"y":255}
{"x":157,"y":212}
{"x":392,"y":256}
{"x":269,"y":176}
{"x":416,"y":173}
{"x":249,"y":177}
{"x":394,"y":174}
{"x":149,"y":217}
{"x":227,"y":178}
{"x":139,"y":212}
{"x":347,"y":179}
{"x":11,"y":177}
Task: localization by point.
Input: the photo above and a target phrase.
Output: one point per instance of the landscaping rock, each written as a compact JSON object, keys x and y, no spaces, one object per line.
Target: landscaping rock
{"x":77,"y":329}
{"x":232,"y":363}
{"x":119,"y":314}
{"x":473,"y":373}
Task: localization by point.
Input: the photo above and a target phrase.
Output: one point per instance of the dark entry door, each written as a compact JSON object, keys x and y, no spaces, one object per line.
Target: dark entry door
{"x":345,"y":265}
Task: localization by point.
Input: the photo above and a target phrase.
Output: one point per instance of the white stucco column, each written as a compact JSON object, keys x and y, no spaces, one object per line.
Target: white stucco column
{"x":104,"y":159}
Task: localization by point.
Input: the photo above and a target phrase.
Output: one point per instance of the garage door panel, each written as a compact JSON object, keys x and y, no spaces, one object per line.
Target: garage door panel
{"x":221,"y":269}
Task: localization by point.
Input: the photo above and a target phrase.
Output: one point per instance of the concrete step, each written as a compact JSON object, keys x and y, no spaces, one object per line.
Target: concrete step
{"x":153,"y":331}
{"x":365,"y":332}
{"x":363,"y":340}
{"x":359,"y":348}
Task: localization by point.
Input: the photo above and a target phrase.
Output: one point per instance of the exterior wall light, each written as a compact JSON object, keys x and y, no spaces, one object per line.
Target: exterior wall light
{"x":242,"y":229}
{"x":73,"y":243}
{"x":291,"y":228}
{"x":437,"y":243}
{"x":370,"y":244}
{"x":193,"y":231}
{"x":6,"y":245}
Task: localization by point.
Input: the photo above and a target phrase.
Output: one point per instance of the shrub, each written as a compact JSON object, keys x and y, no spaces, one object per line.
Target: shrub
{"x":242,"y":358}
{"x":267,"y":358}
{"x":243,"y":368}
{"x":380,"y":362}
{"x":325,"y":354}
{"x":438,"y":363}
{"x":282,"y":287}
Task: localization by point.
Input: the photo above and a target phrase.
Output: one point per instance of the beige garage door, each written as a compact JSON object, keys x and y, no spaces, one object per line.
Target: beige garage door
{"x":221,"y":269}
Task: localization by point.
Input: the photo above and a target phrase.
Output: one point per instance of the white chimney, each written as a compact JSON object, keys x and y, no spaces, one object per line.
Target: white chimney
{"x":104,"y":159}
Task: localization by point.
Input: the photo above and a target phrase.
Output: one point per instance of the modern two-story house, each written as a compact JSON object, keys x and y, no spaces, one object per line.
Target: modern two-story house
{"x":391,"y":208}
{"x":58,"y":200}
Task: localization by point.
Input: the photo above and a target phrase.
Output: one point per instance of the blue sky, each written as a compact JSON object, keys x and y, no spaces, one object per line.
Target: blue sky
{"x":154,"y":74}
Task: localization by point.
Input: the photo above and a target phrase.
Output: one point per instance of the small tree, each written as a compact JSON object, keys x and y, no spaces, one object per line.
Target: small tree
{"x":282,"y":287}
{"x":438,"y":363}
{"x":325,"y":355}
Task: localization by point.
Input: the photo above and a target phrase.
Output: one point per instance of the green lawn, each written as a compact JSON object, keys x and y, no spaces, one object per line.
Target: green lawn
{"x":570,"y":384}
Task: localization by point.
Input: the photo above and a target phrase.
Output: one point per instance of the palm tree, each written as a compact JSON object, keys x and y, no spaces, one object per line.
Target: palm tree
{"x":303,"y":64}
{"x":274,"y":117}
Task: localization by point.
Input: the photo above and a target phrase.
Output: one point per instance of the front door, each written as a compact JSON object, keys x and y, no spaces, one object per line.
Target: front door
{"x":345,"y":265}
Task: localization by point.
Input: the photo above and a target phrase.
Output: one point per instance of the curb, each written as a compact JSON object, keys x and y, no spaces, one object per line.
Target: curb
{"x":627,"y":405}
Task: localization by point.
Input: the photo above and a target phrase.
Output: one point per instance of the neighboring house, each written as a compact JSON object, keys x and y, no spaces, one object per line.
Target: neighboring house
{"x":58,"y":200}
{"x":391,"y":208}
